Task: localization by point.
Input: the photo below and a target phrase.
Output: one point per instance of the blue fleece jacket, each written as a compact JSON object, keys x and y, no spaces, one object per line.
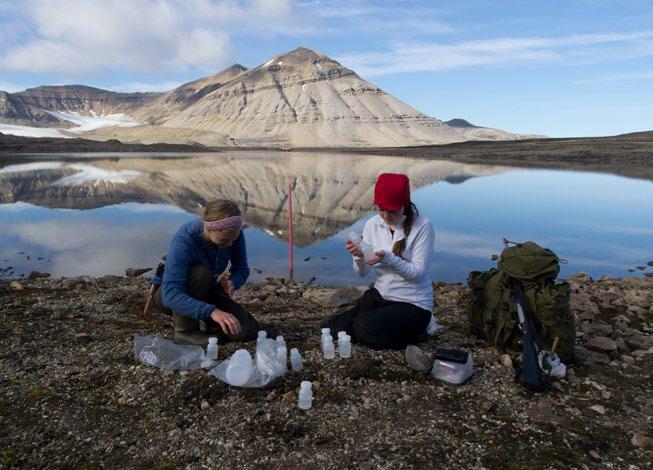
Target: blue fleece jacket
{"x":188,"y":248}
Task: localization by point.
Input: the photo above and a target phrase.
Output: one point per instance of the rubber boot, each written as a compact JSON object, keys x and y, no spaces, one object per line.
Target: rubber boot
{"x":208,"y":327}
{"x":187,"y":331}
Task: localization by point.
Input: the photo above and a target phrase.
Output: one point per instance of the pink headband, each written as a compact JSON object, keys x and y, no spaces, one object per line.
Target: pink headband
{"x":230,"y":222}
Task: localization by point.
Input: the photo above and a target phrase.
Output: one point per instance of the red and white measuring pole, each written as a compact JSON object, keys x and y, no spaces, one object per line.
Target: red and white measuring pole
{"x":290,"y":240}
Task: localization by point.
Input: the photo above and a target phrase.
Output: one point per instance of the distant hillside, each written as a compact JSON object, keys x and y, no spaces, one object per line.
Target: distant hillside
{"x":459,"y":123}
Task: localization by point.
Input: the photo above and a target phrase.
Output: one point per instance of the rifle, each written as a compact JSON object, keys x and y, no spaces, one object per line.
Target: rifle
{"x":530,"y":374}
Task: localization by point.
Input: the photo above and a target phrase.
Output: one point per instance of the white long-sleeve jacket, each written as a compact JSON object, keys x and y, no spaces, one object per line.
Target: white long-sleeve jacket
{"x":406,"y":278}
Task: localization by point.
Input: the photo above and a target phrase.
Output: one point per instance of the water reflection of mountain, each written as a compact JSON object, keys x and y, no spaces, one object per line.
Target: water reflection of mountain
{"x":330,"y":191}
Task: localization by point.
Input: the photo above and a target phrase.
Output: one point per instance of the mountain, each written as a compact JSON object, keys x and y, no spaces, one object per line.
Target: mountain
{"x":327,"y":198}
{"x":44,"y":106}
{"x":457,"y":122}
{"x":297,"y":99}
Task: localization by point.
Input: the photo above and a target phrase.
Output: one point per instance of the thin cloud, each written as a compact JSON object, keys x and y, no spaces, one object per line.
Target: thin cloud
{"x":375,"y":16}
{"x":10,"y":87}
{"x":620,"y":77}
{"x":428,"y":56}
{"x":145,"y":87}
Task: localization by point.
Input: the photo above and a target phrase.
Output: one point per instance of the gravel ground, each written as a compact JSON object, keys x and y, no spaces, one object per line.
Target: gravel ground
{"x":72,"y":394}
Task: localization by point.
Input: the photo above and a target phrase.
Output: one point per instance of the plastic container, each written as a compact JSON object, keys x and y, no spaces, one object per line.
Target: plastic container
{"x":296,"y":361}
{"x":305,"y":395}
{"x":240,"y":368}
{"x":261,"y":336}
{"x":328,"y":349}
{"x":344,"y":345}
{"x":366,"y":248}
{"x":282,"y":357}
{"x":453,"y":367}
{"x":212,"y":349}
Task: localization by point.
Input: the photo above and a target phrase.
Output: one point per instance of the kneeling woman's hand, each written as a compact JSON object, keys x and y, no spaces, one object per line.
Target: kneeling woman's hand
{"x":378,"y":256}
{"x":353,"y":249}
{"x":227,"y":285}
{"x":227,"y":321}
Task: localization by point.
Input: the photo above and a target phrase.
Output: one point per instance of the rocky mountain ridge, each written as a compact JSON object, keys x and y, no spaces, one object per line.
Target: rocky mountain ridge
{"x":297,"y":99}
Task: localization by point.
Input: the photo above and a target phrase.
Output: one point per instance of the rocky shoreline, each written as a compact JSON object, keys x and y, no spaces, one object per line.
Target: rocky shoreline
{"x":73,"y":395}
{"x":628,"y":155}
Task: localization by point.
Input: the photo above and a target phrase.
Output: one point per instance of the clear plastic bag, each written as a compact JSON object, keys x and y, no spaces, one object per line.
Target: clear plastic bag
{"x":266,"y":366}
{"x":165,"y":354}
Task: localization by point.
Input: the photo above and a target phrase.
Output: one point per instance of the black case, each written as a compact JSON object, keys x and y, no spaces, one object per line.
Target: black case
{"x":452,"y":355}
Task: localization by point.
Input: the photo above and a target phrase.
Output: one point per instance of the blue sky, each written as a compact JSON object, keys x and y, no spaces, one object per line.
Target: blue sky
{"x":559,"y":68}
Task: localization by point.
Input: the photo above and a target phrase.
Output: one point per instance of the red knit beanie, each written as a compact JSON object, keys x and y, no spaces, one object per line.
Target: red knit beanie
{"x":392,"y":191}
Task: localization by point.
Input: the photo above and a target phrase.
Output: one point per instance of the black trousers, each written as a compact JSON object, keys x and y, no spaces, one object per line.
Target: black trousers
{"x":200,"y":286}
{"x":380,"y":323}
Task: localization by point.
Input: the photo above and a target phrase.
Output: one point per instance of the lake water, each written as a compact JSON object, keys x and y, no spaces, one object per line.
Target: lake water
{"x":71,"y":214}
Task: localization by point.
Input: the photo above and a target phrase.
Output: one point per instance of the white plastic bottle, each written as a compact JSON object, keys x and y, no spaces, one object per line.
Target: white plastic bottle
{"x":344,"y":346}
{"x":305,"y":395}
{"x":212,"y":349}
{"x":282,"y":357}
{"x":296,"y":361}
{"x":326,"y":336}
{"x":366,"y":248}
{"x":355,"y":237}
{"x":239,"y":369}
{"x":262,"y":335}
{"x":328,"y":348}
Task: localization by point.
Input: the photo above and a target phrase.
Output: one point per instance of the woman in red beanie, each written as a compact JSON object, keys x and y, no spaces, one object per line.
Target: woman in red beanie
{"x":397,"y":310}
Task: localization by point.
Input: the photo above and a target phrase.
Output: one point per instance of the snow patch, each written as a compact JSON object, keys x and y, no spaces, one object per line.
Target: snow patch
{"x":27,"y":131}
{"x":95,"y":175}
{"x":319,"y":67}
{"x":268,"y":62}
{"x":22,"y":167}
{"x":15,"y":206}
{"x":92,"y":122}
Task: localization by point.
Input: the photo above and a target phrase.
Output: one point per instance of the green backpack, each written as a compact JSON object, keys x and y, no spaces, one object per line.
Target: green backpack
{"x":492,"y":311}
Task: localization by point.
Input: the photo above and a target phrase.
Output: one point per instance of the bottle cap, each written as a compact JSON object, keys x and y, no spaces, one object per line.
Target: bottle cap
{"x":280,"y":338}
{"x":262,"y":334}
{"x":305,"y":385}
{"x":326,"y":331}
{"x":342,"y":334}
{"x":213,"y":340}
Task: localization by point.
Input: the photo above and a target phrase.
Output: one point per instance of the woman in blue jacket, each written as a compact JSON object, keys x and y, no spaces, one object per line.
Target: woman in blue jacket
{"x":194,"y":287}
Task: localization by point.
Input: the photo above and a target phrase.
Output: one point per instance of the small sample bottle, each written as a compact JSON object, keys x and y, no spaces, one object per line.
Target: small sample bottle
{"x":262,"y":335}
{"x":328,"y":348}
{"x":305,"y":395}
{"x":344,"y":346}
{"x":296,"y":361}
{"x":212,"y":349}
{"x":366,"y":248}
{"x":282,"y":357}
